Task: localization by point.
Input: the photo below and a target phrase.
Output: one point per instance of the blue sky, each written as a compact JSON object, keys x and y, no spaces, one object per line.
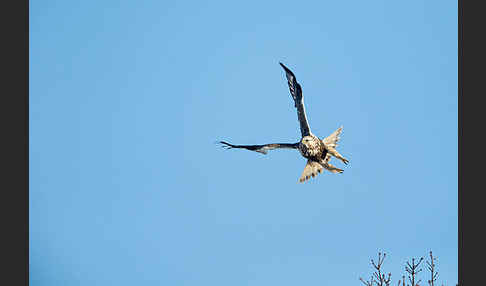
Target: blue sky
{"x":128,"y":97}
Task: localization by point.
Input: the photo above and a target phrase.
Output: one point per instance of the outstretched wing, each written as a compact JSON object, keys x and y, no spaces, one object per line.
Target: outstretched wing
{"x":296,"y":92}
{"x":261,"y":148}
{"x":331,"y":140}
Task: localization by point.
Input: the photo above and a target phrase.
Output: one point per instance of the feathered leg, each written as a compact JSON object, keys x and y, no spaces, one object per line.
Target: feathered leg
{"x":336,"y":154}
{"x":331,"y":168}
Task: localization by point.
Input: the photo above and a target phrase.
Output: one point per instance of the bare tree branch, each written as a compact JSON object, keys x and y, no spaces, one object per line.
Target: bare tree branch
{"x":431,"y":267}
{"x":367,"y":283}
{"x":378,"y":277}
{"x":412,"y":270}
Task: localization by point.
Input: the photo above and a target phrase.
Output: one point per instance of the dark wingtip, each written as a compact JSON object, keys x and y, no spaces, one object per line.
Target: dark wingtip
{"x":287,"y":70}
{"x":226,"y":145}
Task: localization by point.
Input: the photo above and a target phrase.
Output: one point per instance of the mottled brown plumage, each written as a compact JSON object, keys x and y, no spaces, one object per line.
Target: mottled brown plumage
{"x":317,"y":152}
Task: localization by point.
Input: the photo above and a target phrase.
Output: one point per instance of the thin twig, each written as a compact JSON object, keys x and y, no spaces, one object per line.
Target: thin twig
{"x":431,"y":267}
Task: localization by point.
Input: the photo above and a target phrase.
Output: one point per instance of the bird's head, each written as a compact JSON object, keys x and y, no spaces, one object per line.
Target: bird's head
{"x":306,"y":140}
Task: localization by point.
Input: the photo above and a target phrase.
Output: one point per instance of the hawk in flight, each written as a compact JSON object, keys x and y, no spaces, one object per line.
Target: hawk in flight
{"x":317,"y":152}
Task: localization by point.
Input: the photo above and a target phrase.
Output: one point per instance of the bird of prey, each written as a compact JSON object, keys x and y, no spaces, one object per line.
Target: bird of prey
{"x":317,"y":151}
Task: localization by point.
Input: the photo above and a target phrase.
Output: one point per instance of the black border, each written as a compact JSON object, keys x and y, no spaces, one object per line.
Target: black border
{"x":14,"y":100}
{"x":471,"y":128}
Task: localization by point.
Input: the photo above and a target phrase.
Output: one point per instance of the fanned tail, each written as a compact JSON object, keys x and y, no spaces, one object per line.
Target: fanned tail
{"x":311,"y":169}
